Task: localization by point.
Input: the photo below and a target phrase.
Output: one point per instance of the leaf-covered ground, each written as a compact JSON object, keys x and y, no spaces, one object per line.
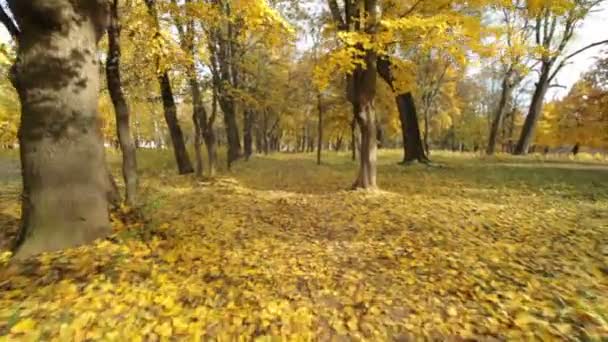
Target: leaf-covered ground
{"x":276,"y":250}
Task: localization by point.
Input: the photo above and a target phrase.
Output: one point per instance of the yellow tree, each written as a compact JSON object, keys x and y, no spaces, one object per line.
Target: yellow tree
{"x":555,"y":23}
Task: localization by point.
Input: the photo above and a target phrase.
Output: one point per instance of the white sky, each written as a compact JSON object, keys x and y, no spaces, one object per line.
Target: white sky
{"x":594,"y":29}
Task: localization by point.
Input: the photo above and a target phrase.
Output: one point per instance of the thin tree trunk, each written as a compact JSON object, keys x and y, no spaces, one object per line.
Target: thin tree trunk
{"x":505,"y":95}
{"x":319,"y":129}
{"x":64,"y":172}
{"x":210,"y":139}
{"x":198,"y":153}
{"x":536,"y":106}
{"x":353,"y":139}
{"x":426,"y":131}
{"x":248,"y":133}
{"x":121,"y":108}
{"x":184,"y":165}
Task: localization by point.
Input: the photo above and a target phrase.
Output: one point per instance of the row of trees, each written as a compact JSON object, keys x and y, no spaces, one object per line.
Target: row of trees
{"x":263,"y":75}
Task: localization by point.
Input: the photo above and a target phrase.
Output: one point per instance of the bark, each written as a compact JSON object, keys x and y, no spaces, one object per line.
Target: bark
{"x":536,"y":106}
{"x":505,"y":96}
{"x":184,"y":166}
{"x":198,"y":154}
{"x":248,"y":133}
{"x":410,"y":130}
{"x":412,"y":146}
{"x":361,"y":91}
{"x":353,"y":139}
{"x":113,"y":192}
{"x":209,"y":137}
{"x":121,"y":108}
{"x":319,"y":128}
{"x":232,"y":132}
{"x":366,"y":179}
{"x":426,"y":130}
{"x":65,"y":177}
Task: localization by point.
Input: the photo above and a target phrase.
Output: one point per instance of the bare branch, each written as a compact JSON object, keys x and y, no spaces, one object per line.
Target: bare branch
{"x":10,"y":25}
{"x":564,"y":61}
{"x":335,"y":12}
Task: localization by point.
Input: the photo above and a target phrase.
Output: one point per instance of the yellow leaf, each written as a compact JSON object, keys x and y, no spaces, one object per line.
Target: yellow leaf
{"x":24,"y":325}
{"x":164,"y":330}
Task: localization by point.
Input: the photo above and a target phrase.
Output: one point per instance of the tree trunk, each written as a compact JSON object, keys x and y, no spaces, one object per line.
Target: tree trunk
{"x":184,"y":166}
{"x":210,"y":139}
{"x":198,"y":154}
{"x":362,"y":93}
{"x":353,"y":139}
{"x":536,"y":106}
{"x":121,"y":108}
{"x":319,"y":128}
{"x":65,"y":177}
{"x":505,"y":95}
{"x":248,"y":133}
{"x":410,"y":130}
{"x":232,"y":132}
{"x":366,"y":179}
{"x":412,"y":144}
{"x":426,"y":131}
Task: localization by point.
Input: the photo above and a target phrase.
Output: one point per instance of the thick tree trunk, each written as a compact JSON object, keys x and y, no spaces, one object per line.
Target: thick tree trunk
{"x":65,"y":178}
{"x":248,"y":133}
{"x":410,"y":130}
{"x":362,"y":94}
{"x":210,"y":143}
{"x":366,"y":179}
{"x":319,"y":129}
{"x":536,"y":106}
{"x":232,"y":131}
{"x":121,"y":108}
{"x":505,"y":95}
{"x":184,"y":166}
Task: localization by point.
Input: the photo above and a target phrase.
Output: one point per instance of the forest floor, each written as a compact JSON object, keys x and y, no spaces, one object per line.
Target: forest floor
{"x":278,"y":250}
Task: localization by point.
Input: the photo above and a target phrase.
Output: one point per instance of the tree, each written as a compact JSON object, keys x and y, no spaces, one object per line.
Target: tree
{"x":184,"y":165}
{"x":410,"y":130}
{"x":513,"y":56}
{"x":121,"y":108}
{"x":555,"y":25}
{"x":355,"y":19}
{"x":56,"y":75}
{"x":186,"y":32}
{"x":581,"y":117}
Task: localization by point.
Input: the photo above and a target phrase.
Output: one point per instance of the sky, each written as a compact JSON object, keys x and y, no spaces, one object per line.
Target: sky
{"x":593,"y":29}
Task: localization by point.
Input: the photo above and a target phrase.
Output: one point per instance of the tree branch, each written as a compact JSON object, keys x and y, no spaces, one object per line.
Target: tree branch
{"x":586,"y":48}
{"x":565,"y":60}
{"x":335,"y":12}
{"x":10,"y":25}
{"x":411,"y":9}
